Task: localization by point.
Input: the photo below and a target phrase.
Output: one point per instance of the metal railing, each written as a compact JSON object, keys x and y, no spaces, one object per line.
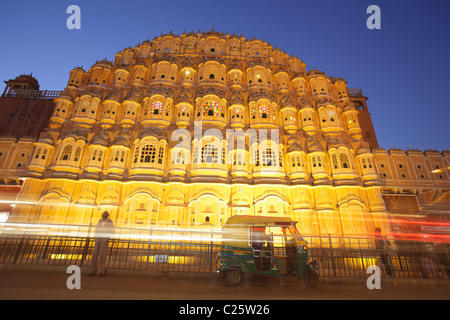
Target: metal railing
{"x":182,"y":250}
{"x":357,"y":93}
{"x":351,"y":257}
{"x":32,"y":94}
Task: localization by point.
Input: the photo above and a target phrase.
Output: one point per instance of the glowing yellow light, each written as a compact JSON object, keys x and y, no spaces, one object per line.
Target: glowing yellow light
{"x":60,"y":256}
{"x":166,"y":259}
{"x":361,"y":263}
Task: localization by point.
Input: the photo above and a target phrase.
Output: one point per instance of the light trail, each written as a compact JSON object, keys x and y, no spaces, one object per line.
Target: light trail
{"x":170,"y":234}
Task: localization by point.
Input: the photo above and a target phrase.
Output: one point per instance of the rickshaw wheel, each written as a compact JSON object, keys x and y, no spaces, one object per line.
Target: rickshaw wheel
{"x":311,"y":278}
{"x":233,"y":277}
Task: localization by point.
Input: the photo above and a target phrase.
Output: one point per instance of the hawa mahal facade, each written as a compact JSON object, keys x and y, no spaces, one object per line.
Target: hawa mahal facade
{"x":188,"y":130}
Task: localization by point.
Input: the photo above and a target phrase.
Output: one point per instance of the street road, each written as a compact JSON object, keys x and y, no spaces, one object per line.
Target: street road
{"x":52,"y":286}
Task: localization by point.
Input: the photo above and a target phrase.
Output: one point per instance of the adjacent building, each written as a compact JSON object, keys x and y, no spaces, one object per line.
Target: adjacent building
{"x":25,"y":111}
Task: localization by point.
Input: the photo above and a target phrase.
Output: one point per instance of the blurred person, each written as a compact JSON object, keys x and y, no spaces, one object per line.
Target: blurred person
{"x":384,"y":246}
{"x":443,"y":257}
{"x":103,"y":232}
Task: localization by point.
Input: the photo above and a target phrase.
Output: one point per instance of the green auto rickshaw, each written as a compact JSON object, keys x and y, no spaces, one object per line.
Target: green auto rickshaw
{"x":269,"y":246}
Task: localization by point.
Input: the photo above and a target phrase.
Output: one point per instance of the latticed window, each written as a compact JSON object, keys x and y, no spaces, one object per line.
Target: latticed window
{"x":345,"y":162}
{"x":66,"y":153}
{"x":97,"y":156}
{"x":264,"y":112}
{"x":317,"y":163}
{"x":118,"y":156}
{"x":299,"y":162}
{"x":156,"y":107}
{"x":331,"y":115}
{"x":268,"y":158}
{"x":183,"y":111}
{"x":224,"y":155}
{"x":210,"y":154}
{"x":77,"y":154}
{"x":334,"y":161}
{"x":148,"y":154}
{"x":178,"y":157}
{"x":212,"y":108}
{"x":136,"y":154}
{"x":366,"y":163}
{"x":240,"y":159}
{"x":256,"y":157}
{"x":195,"y":154}
{"x":168,"y":109}
{"x":161,"y":155}
{"x":115,"y":157}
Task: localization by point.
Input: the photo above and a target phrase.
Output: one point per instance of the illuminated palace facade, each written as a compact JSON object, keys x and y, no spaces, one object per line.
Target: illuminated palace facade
{"x":188,"y":130}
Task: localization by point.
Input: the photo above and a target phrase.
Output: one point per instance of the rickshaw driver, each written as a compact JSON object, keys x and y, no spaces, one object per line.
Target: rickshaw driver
{"x":261,"y":246}
{"x":291,"y":251}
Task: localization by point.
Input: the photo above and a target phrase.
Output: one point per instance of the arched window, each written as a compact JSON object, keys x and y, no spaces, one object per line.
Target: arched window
{"x":161,"y":155}
{"x":268,"y":157}
{"x":256,"y":157}
{"x":210,"y":154}
{"x":118,"y":156}
{"x":115,"y":157}
{"x":299,"y":162}
{"x":334,"y":161}
{"x":156,"y":107}
{"x":345,"y":162}
{"x":211,"y":108}
{"x":178,"y":157}
{"x":240,"y":159}
{"x":136,"y":154}
{"x":66,"y":153}
{"x":264,"y":111}
{"x":77,"y":154}
{"x":148,"y":154}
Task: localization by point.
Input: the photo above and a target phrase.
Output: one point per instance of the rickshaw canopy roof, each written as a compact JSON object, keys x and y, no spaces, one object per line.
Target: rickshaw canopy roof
{"x":236,"y":229}
{"x":257,"y":221}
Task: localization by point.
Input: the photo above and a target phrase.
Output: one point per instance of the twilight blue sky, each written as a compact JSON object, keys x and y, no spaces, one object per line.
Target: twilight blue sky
{"x":403,"y":68}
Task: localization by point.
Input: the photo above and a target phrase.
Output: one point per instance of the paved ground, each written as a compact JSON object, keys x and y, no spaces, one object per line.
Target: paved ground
{"x":32,"y":285}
